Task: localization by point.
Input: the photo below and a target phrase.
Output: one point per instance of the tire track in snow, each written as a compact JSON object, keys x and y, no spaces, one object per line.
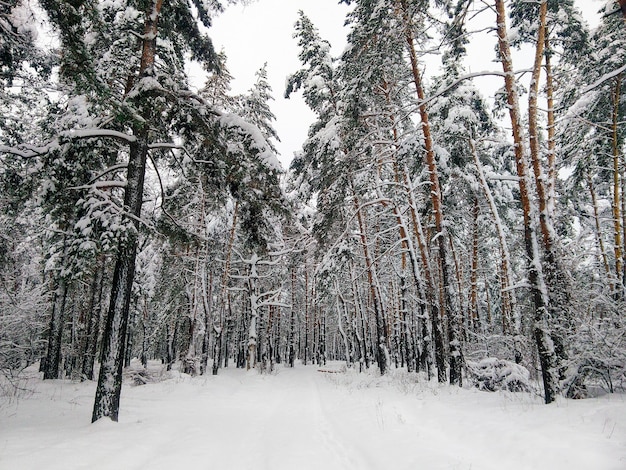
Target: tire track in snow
{"x":306,"y":438}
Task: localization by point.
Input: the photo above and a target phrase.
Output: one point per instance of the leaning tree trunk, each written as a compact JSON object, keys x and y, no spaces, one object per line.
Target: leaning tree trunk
{"x":374,"y":290}
{"x":547,"y":356}
{"x":509,"y":309}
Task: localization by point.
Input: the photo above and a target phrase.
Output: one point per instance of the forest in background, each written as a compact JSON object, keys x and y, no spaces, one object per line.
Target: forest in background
{"x":416,"y":228}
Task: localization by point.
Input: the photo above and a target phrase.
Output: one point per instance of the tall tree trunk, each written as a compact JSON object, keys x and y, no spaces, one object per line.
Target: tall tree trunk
{"x":207,"y":306}
{"x":436,"y":200}
{"x":52,"y":367}
{"x":547,"y":356}
{"x":429,"y":289}
{"x":374,"y":291}
{"x":616,"y":203}
{"x":596,"y":217}
{"x":109,"y":387}
{"x":473,"y":319}
{"x":93,"y":327}
{"x":306,"y":315}
{"x":114,"y":338}
{"x":533,"y":133}
{"x":218,"y":323}
{"x":253,"y":293}
{"x":552,"y":173}
{"x":510,"y":314}
{"x":292,"y":324}
{"x":342,"y":311}
{"x":408,"y":247}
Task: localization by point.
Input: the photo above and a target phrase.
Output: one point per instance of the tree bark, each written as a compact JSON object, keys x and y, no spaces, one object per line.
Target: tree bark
{"x":616,"y":203}
{"x":52,"y":366}
{"x":93,"y":327}
{"x":436,"y":200}
{"x":543,"y":340}
{"x":109,"y":387}
{"x":374,"y":290}
{"x":114,"y":337}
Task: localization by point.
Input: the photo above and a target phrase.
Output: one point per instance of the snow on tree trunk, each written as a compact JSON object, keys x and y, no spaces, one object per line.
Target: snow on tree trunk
{"x":253,"y":278}
{"x":447,"y":308}
{"x":52,"y":366}
{"x":93,"y":322}
{"x":545,"y":346}
{"x":382,"y":355}
{"x":109,"y":387}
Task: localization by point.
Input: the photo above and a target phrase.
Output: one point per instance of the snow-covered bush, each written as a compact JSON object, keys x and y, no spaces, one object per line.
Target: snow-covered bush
{"x":492,"y":374}
{"x":592,"y":375}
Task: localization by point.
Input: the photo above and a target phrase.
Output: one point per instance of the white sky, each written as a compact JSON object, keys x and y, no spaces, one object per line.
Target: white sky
{"x":263,"y":32}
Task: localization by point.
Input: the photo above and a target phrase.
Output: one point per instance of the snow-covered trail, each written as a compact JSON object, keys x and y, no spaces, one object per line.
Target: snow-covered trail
{"x":298,"y":419}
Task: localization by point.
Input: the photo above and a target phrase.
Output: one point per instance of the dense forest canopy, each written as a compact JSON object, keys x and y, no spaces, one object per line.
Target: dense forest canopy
{"x":417,"y":227}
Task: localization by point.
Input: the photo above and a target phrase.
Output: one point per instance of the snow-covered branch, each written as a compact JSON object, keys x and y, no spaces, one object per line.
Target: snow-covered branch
{"x":603,"y":79}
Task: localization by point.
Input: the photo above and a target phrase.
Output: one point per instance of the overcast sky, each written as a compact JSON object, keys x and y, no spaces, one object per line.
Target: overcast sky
{"x":263,"y":32}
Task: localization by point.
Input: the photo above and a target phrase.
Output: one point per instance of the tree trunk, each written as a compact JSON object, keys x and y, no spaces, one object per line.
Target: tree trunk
{"x":616,"y":203}
{"x":114,"y":338}
{"x":436,"y":200}
{"x":544,"y":342}
{"x":254,"y":314}
{"x":93,"y":327}
{"x":292,"y":325}
{"x":552,"y":173}
{"x":374,"y":291}
{"x":599,"y":239}
{"x":52,"y":366}
{"x":109,"y":387}
{"x":473,"y":320}
{"x":429,"y":290}
{"x":509,"y":299}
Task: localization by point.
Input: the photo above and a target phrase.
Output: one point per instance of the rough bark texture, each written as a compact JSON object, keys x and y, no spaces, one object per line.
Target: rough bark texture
{"x":437,"y":205}
{"x":547,"y":357}
{"x":617,"y":233}
{"x":114,"y":337}
{"x":52,"y":366}
{"x":381,"y":336}
{"x":93,"y":325}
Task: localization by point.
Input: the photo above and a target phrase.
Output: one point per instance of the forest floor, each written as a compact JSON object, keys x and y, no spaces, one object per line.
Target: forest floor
{"x":307,"y":418}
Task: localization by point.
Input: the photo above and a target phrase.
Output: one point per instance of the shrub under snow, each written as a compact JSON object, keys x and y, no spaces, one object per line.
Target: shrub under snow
{"x":494,"y":374}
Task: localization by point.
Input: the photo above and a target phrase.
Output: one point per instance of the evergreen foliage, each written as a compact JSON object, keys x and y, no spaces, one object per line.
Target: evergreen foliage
{"x":139,"y":219}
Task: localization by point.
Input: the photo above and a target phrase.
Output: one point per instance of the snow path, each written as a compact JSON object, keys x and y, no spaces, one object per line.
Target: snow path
{"x":300,"y":419}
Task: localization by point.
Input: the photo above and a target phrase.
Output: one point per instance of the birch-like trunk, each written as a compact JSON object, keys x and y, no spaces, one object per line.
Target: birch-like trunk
{"x":253,"y":293}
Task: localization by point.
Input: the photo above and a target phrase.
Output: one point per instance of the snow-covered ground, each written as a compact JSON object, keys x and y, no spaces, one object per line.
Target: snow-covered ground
{"x":297,"y":419}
